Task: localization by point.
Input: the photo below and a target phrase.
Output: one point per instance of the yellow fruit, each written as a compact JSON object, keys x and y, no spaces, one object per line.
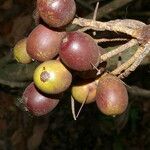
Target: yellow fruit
{"x":97,"y":79}
{"x":84,"y":91}
{"x":52,"y":77}
{"x":20,"y":53}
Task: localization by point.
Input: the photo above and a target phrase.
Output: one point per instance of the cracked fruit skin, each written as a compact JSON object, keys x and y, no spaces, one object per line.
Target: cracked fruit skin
{"x":37,"y":102}
{"x":52,"y":77}
{"x":79,"y":51}
{"x":111,"y":95}
{"x":56,"y":13}
{"x":43,"y":44}
{"x":85,"y":90}
{"x":20,"y":52}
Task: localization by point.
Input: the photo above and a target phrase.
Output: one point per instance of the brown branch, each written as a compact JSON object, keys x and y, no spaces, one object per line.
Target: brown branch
{"x":128,"y":63}
{"x":102,"y":11}
{"x":102,"y":40}
{"x":128,"y":26}
{"x":118,"y":50}
{"x":115,"y":26}
{"x":131,"y":23}
{"x":134,"y":28}
{"x":136,"y":62}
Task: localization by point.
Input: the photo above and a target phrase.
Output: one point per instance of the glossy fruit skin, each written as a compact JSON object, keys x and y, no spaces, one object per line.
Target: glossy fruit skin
{"x":20,"y":52}
{"x":79,"y":51}
{"x":93,"y":73}
{"x":111,"y":95}
{"x":52,"y":77}
{"x":38,"y":103}
{"x":56,"y":13}
{"x":43,"y":44}
{"x":85,"y":90}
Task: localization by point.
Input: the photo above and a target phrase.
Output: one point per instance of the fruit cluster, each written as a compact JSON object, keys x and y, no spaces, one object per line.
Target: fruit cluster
{"x":63,"y":56}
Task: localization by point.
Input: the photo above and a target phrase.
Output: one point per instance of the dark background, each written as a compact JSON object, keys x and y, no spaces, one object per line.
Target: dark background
{"x":20,"y":130}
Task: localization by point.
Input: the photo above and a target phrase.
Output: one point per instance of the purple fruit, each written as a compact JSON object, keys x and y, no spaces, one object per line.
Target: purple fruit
{"x":79,"y":51}
{"x":44,"y":44}
{"x":56,"y":13}
{"x":37,"y":102}
{"x":111,"y":95}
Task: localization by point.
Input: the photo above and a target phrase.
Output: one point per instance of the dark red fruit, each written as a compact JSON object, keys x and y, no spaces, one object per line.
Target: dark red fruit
{"x":56,"y":13}
{"x":93,"y":73}
{"x":37,"y":102}
{"x":79,"y":51}
{"x":111,"y":95}
{"x":44,"y":44}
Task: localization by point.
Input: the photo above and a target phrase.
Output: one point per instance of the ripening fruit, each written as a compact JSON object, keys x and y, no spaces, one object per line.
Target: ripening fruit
{"x":20,"y":52}
{"x":56,"y":13}
{"x":43,"y":44}
{"x":111,"y":95}
{"x":84,"y":91}
{"x":52,"y":77}
{"x":79,"y":51}
{"x":37,"y":102}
